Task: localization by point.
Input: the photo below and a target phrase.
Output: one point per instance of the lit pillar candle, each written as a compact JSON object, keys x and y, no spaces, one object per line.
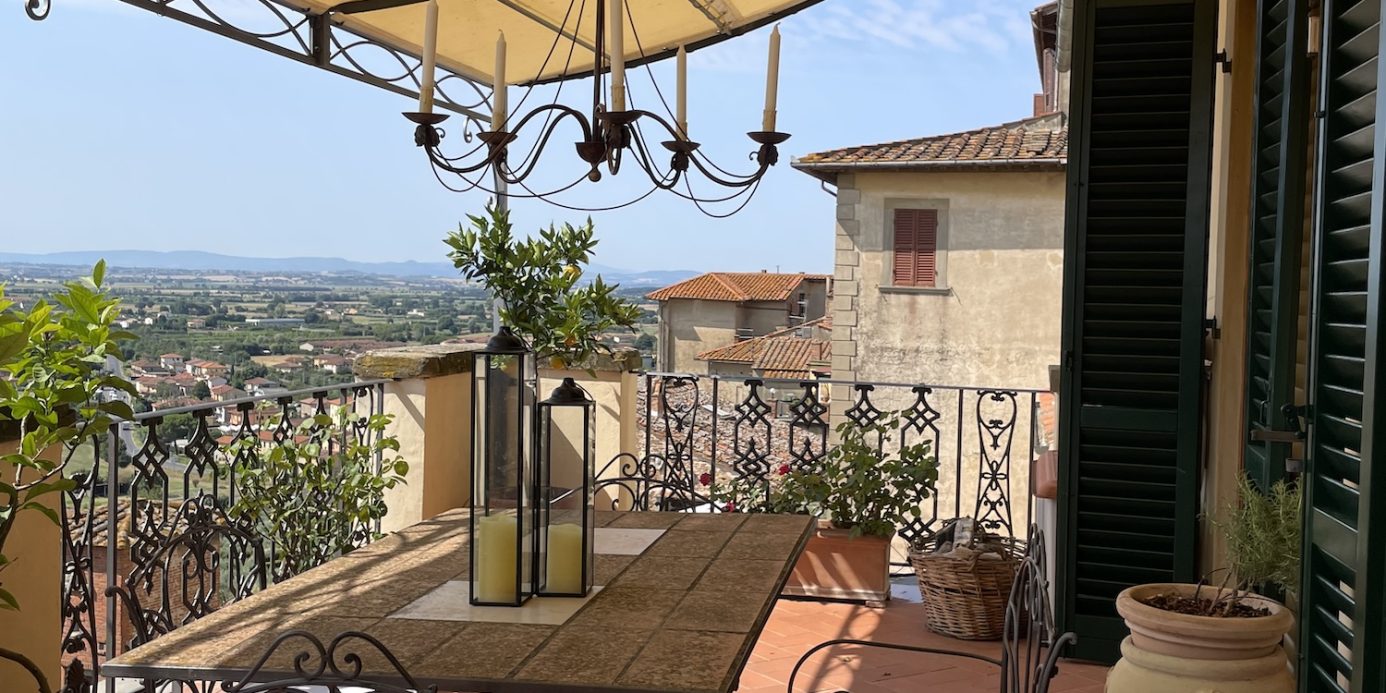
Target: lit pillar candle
{"x":615,"y":46}
{"x":430,"y":57}
{"x":772,"y":81}
{"x":495,"y":551}
{"x":499,"y":104}
{"x":564,"y":563}
{"x":682,"y":111}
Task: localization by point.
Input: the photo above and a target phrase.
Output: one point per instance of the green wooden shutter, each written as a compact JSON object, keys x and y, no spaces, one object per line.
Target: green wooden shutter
{"x":1135,"y":273}
{"x":1344,"y":627}
{"x":1277,"y":229}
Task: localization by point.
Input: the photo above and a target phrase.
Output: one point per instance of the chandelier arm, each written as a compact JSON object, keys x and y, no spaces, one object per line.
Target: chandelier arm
{"x":467,"y":136}
{"x":437,"y":159}
{"x":471,"y":185}
{"x":741,"y":182}
{"x":646,"y":161}
{"x":528,"y":164}
{"x":750,"y":194}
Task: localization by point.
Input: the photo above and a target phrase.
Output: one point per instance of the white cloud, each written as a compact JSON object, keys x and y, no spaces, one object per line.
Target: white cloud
{"x":988,"y":27}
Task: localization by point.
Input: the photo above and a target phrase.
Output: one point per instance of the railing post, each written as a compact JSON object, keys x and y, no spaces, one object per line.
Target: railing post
{"x":35,"y":579}
{"x":430,"y":398}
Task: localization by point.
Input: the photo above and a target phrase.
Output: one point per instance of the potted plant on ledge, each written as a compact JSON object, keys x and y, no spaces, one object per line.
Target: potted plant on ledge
{"x":1187,"y":638}
{"x":860,"y":491}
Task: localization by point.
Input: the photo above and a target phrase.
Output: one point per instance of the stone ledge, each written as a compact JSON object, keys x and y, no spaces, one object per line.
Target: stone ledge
{"x":437,"y":360}
{"x":620,"y":360}
{"x":424,"y":361}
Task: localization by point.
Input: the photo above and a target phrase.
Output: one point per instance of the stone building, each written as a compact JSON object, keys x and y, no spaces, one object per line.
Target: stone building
{"x":718,"y":309}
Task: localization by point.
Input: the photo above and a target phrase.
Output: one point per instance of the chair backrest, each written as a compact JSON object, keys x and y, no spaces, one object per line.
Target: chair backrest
{"x":207,"y":561}
{"x":1030,"y":647}
{"x":316,"y":667}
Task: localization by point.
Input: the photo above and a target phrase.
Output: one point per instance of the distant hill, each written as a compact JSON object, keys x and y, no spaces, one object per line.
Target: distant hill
{"x":198,"y":260}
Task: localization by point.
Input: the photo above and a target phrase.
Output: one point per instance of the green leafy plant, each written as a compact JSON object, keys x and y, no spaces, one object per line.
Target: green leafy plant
{"x":53,"y":397}
{"x":859,"y":485}
{"x":1263,"y":533}
{"x":864,"y":486}
{"x":319,"y":493}
{"x":747,"y":494}
{"x":539,"y":282}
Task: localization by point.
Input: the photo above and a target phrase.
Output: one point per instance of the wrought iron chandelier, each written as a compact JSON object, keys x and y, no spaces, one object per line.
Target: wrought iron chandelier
{"x":611,"y":134}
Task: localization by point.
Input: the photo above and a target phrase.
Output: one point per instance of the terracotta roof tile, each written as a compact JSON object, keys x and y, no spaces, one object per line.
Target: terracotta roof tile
{"x":1029,"y":142}
{"x":780,"y":354}
{"x":736,"y":286}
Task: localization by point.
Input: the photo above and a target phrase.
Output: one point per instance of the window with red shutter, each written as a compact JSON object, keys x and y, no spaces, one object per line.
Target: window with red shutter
{"x":915,"y":249}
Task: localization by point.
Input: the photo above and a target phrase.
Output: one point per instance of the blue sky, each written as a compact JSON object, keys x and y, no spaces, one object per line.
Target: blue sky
{"x":120,"y":129}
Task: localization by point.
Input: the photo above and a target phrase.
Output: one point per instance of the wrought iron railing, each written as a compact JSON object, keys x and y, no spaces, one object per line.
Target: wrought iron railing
{"x":984,"y":439}
{"x":149,"y":540}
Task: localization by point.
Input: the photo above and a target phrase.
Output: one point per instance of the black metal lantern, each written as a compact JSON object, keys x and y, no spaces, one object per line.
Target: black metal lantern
{"x":502,"y":504}
{"x":566,"y":447}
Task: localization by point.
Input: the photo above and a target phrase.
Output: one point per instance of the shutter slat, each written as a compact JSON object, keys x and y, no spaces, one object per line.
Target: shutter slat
{"x":1132,"y":332}
{"x":1342,"y":642}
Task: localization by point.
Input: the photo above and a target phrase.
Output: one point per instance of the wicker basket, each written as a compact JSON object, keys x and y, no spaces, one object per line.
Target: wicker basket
{"x":966,"y":597}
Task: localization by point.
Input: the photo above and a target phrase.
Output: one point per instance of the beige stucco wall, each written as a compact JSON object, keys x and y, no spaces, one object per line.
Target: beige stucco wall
{"x":34,"y":578}
{"x":764,"y":317}
{"x":431,"y":422}
{"x":997,"y":324}
{"x":688,"y":328}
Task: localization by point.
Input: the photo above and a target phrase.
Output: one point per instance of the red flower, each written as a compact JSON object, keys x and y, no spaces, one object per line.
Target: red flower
{"x":784,"y":469}
{"x":731,"y":506}
{"x":705,"y":479}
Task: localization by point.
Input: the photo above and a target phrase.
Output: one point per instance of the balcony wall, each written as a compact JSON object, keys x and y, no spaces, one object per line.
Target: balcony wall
{"x":34,"y":577}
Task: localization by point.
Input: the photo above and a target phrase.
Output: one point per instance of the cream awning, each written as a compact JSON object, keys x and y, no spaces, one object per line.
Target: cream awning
{"x":467,"y":30}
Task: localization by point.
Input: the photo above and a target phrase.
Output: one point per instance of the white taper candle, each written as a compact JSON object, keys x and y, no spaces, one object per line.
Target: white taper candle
{"x":615,"y":47}
{"x":430,"y":56}
{"x":681,"y":116}
{"x":499,"y":102}
{"x":772,"y":81}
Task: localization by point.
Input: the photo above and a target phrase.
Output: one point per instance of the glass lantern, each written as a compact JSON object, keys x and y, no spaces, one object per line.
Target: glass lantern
{"x":502,"y":503}
{"x":566,"y":452}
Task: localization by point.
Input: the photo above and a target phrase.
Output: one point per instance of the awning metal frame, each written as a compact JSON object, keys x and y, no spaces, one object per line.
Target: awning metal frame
{"x":320,"y":41}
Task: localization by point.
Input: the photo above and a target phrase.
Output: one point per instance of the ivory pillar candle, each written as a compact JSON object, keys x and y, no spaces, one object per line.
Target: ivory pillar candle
{"x":564,"y":564}
{"x":494,"y":569}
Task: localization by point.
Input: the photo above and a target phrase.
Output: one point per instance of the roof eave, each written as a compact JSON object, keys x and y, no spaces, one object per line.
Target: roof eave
{"x":828,"y":170}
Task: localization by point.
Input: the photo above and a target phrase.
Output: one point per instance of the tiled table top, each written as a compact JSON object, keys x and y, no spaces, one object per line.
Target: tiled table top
{"x":680,"y":616}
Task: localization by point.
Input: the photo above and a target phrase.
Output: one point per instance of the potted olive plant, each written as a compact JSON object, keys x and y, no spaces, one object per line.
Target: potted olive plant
{"x":1223,"y":637}
{"x":865,"y":486}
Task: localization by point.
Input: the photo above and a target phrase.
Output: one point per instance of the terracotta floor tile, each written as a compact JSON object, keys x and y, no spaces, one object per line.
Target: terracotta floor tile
{"x":797,"y":625}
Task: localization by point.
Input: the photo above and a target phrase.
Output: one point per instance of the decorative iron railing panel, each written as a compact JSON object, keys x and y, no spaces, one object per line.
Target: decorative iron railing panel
{"x":150,"y":541}
{"x":746,"y":428}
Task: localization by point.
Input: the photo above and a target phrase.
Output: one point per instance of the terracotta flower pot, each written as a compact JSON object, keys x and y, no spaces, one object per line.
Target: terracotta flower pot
{"x":1171,"y":652}
{"x":835,"y":565}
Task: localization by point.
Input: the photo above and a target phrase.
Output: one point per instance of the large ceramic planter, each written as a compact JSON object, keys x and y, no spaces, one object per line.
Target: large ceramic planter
{"x":835,"y":565}
{"x":1169,"y":652}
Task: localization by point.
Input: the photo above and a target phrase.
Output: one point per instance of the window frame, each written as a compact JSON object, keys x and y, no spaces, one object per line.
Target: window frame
{"x":940,"y":209}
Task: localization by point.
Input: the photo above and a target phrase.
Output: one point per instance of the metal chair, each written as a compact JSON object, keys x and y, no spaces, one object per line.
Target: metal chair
{"x":1029,"y":647}
{"x":335,"y":668}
